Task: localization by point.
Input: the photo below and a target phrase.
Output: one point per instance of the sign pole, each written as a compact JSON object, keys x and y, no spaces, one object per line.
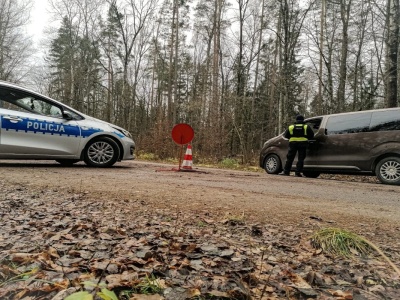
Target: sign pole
{"x":180,"y":158}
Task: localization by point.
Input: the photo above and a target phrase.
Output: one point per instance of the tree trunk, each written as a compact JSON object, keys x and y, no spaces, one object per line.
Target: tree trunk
{"x":344,"y":16}
{"x":171,"y":104}
{"x":392,"y":53}
{"x":321,"y":57}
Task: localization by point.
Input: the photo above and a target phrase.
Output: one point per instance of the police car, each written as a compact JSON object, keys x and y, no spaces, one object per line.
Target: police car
{"x":33,"y":126}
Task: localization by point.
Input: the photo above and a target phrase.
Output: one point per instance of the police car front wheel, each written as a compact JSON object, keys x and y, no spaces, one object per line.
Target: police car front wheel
{"x":101,"y":152}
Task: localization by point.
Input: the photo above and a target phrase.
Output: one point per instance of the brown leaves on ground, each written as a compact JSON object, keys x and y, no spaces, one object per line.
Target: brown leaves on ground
{"x":53,"y":244}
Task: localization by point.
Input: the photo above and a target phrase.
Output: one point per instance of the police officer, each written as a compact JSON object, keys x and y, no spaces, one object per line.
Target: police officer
{"x":298,"y":135}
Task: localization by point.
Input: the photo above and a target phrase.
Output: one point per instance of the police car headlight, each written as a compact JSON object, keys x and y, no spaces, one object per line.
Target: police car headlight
{"x":124,"y":132}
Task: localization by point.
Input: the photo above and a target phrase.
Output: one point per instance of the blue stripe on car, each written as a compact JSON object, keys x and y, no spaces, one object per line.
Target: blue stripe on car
{"x":89,"y":131}
{"x":36,"y":126}
{"x":119,"y":134}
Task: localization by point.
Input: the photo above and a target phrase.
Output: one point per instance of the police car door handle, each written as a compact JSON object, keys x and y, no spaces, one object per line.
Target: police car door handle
{"x":12,"y":119}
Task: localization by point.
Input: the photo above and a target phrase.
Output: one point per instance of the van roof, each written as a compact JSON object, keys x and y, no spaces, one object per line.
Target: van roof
{"x":355,"y":112}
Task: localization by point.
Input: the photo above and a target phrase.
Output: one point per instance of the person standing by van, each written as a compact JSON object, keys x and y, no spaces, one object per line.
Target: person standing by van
{"x":298,"y":135}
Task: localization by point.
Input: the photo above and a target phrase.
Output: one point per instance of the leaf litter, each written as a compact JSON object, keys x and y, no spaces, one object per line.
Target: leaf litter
{"x":54,"y":243}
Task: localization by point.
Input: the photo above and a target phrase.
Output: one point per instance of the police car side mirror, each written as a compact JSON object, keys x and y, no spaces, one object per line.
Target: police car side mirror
{"x":67,"y":115}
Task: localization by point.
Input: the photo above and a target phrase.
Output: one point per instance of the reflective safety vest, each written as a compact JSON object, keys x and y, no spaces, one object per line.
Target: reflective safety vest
{"x":298,"y":133}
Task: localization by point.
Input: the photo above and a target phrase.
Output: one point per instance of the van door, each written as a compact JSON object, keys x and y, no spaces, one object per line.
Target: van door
{"x":385,"y":127}
{"x":345,"y":142}
{"x":312,"y":151}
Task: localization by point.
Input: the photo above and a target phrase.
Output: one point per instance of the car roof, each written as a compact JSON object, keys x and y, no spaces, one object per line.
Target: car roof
{"x":13,"y":85}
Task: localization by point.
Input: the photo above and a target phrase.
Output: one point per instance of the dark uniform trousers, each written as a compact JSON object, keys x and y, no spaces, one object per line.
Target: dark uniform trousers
{"x":301,"y":149}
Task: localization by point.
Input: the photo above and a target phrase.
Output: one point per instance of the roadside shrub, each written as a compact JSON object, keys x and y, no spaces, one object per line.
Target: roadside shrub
{"x":147,"y":156}
{"x":229,"y":163}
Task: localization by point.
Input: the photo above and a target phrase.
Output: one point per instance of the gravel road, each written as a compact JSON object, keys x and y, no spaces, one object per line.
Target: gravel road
{"x":254,"y":195}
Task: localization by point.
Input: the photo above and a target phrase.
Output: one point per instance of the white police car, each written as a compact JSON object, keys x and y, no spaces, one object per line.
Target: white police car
{"x":33,"y":126}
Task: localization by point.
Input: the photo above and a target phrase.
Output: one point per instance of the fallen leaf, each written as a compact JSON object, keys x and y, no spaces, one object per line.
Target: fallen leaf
{"x":145,"y":297}
{"x":193,"y":293}
{"x":347,"y":295}
{"x":298,"y":281}
{"x":53,"y":252}
{"x":218,"y":294}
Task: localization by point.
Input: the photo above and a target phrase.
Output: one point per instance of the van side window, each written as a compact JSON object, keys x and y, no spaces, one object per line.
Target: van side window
{"x":349,"y":123}
{"x":385,"y":120}
{"x":314,"y":124}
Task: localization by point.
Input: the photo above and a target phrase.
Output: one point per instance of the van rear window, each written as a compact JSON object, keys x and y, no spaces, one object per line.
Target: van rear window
{"x":385,"y":120}
{"x":348,"y":123}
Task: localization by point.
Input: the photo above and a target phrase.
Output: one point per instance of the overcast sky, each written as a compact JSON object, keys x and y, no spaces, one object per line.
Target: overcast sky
{"x":39,"y":19}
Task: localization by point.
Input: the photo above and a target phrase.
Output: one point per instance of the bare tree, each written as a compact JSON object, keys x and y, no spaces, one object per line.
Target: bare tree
{"x":293,"y":17}
{"x":359,"y":68}
{"x":15,"y":46}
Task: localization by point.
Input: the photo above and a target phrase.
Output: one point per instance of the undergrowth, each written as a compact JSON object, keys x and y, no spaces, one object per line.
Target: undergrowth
{"x":226,"y":163}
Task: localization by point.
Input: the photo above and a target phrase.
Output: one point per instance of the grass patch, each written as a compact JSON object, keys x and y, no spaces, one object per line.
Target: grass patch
{"x":345,"y":243}
{"x":9,"y":273}
{"x":229,"y":163}
{"x":201,"y":224}
{"x":340,"y":242}
{"x":147,"y":156}
{"x":149,"y":285}
{"x":234,"y":219}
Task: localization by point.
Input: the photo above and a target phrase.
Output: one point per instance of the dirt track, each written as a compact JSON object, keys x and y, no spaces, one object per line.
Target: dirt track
{"x":154,"y":206}
{"x":256,"y":196}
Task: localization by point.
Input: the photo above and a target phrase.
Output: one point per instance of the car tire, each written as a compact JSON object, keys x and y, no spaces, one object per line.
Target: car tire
{"x":101,"y":152}
{"x":272,"y":164}
{"x":67,"y":162}
{"x":388,"y":170}
{"x":311,"y":174}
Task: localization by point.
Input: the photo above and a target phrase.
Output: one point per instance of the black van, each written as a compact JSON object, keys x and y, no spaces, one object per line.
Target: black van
{"x":363,"y":143}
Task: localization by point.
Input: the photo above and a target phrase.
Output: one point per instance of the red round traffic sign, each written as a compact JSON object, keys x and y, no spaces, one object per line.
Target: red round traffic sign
{"x":182,"y":134}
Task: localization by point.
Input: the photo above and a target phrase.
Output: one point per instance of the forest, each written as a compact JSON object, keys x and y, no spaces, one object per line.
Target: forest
{"x":237,"y":71}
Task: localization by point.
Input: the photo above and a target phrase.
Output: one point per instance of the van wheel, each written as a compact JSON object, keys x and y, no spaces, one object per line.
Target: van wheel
{"x":101,"y":152}
{"x":388,"y":170}
{"x":311,"y":174}
{"x":272,"y":164}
